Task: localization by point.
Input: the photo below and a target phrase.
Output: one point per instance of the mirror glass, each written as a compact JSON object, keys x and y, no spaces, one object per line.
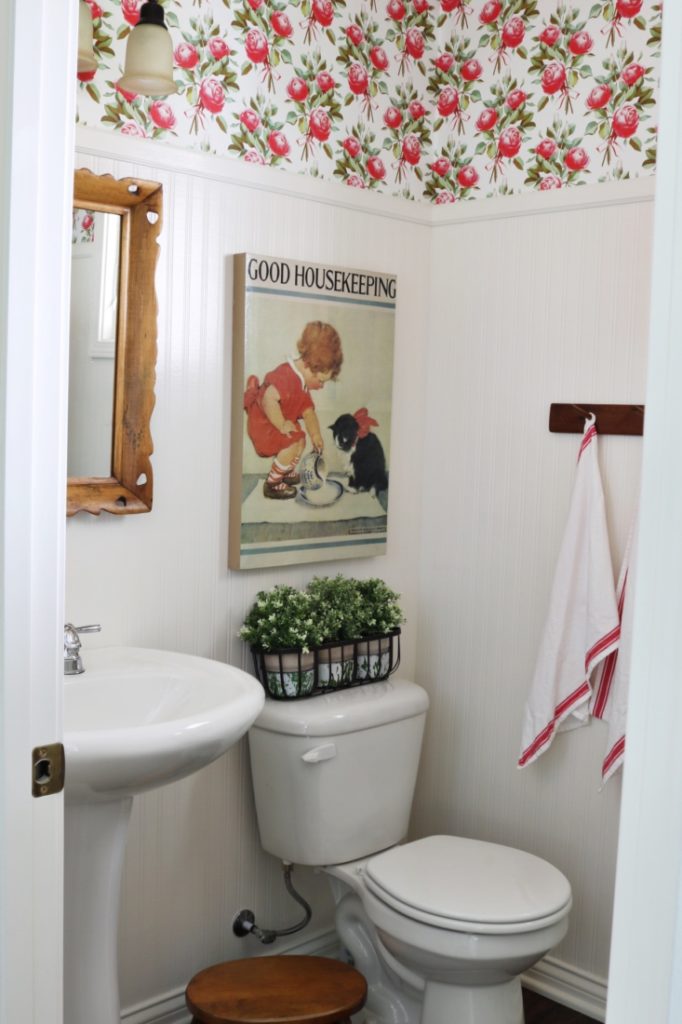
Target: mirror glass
{"x":112,"y":364}
{"x":92,"y":352}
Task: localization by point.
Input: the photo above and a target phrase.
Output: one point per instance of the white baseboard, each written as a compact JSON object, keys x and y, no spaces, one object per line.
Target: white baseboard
{"x":170,"y":1008}
{"x":569,"y":986}
{"x":552,"y":978}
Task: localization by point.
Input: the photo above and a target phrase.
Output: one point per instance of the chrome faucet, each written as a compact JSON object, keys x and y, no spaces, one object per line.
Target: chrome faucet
{"x":73,"y":663}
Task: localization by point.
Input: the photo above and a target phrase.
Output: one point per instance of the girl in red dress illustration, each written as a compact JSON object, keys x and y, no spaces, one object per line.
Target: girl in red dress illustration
{"x":275,"y":407}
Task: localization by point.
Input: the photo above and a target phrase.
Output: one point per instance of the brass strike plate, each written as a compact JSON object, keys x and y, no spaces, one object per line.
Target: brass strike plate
{"x":47,"y":769}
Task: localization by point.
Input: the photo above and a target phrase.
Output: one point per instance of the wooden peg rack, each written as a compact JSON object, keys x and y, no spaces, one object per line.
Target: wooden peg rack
{"x":611,"y":419}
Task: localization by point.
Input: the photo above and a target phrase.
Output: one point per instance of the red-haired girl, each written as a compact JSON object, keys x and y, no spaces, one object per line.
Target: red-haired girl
{"x":275,"y":407}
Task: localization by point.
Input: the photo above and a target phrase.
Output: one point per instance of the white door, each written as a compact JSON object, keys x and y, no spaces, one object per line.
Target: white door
{"x":37,"y":97}
{"x":645,"y":977}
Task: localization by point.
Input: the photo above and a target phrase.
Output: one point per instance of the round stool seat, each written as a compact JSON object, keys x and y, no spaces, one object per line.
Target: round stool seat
{"x":276,"y":990}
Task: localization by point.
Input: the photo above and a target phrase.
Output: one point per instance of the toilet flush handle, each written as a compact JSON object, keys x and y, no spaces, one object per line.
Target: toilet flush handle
{"x":325,"y":752}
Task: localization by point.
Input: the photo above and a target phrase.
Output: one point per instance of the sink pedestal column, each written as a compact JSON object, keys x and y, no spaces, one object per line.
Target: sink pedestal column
{"x":95,"y":839}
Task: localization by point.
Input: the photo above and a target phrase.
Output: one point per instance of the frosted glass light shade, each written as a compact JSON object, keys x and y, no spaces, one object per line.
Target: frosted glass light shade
{"x":86,"y":55}
{"x":148,"y":67}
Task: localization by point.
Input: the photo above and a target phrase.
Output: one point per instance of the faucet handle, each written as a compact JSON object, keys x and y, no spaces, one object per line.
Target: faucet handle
{"x":73,"y":664}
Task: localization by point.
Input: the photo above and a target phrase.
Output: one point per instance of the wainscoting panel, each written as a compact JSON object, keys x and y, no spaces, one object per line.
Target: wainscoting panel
{"x":526,"y":311}
{"x":497,"y":317}
{"x":161,"y":580}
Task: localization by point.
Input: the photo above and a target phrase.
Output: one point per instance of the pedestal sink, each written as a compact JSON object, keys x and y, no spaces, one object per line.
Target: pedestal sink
{"x":134,"y":720}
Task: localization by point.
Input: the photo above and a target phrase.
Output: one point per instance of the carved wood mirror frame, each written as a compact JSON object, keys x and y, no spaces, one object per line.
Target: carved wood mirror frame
{"x":139,"y":204}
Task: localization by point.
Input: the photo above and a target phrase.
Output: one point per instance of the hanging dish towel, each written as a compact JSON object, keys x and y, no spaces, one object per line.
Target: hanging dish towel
{"x":582,"y":625}
{"x":612,"y":678}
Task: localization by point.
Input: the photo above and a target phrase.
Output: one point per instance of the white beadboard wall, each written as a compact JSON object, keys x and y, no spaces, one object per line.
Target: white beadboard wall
{"x":498,"y":316}
{"x":161,"y":579}
{"x":526,"y":310}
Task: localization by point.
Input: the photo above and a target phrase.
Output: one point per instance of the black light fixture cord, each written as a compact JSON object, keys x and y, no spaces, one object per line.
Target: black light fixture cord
{"x":245,"y":921}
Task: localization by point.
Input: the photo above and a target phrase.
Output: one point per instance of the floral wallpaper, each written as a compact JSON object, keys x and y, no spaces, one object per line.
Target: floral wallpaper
{"x":431,"y":100}
{"x":83,"y":227}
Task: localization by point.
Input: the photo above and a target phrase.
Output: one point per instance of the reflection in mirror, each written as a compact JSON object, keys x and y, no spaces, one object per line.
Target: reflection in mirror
{"x":92,"y":352}
{"x":113,"y":343}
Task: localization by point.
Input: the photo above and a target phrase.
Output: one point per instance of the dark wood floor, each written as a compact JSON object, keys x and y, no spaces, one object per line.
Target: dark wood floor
{"x":539,"y":1010}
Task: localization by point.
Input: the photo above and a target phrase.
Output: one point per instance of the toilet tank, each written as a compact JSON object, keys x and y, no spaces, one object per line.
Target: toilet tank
{"x":334,"y":775}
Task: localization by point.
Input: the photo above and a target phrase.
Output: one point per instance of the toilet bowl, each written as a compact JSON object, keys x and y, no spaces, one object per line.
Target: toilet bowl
{"x":441,"y":927}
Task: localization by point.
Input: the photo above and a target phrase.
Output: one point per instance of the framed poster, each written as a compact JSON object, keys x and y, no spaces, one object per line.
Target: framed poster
{"x":311,"y":412}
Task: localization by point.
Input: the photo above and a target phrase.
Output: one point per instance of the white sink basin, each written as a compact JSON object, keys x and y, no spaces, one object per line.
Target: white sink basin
{"x":137,"y":718}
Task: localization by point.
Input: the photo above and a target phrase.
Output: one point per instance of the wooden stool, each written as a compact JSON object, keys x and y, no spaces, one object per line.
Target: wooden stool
{"x":276,"y":990}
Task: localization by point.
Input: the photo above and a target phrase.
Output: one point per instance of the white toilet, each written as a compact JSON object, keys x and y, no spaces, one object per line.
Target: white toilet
{"x":441,"y":927}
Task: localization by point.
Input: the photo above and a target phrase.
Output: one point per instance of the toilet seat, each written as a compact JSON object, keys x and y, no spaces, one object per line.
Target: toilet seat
{"x":468,"y":885}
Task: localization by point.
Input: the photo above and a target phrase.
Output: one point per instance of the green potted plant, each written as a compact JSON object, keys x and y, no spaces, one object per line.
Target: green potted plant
{"x":379,"y":616}
{"x":337,"y":632}
{"x":282,"y":632}
{"x":335,"y":600}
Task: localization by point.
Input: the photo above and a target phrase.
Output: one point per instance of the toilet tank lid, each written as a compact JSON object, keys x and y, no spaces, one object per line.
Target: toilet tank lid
{"x":343,"y":711}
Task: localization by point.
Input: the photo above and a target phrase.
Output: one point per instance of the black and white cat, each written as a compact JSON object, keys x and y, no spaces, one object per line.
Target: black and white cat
{"x":352,"y":434}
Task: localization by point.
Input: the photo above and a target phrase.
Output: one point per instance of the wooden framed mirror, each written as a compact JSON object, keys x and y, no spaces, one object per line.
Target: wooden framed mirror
{"x":114,"y":321}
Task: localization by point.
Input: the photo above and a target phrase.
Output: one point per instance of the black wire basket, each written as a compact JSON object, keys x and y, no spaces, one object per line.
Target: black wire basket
{"x":291,"y":674}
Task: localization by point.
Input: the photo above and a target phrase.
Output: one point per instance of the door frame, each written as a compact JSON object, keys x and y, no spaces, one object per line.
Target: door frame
{"x":37,"y":114}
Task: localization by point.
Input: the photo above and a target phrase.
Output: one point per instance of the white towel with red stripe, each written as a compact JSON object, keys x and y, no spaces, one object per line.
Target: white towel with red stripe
{"x":612,"y":678}
{"x":582,"y":626}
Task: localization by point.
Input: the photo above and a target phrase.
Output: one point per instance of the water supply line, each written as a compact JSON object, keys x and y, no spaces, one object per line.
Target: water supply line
{"x":245,"y":921}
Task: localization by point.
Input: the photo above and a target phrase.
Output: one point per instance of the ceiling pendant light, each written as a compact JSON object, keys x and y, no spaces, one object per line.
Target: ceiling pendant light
{"x":148,"y":67}
{"x":86,"y":55}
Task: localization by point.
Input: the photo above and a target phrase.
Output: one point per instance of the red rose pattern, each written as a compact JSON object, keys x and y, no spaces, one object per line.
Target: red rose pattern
{"x":444,"y":62}
{"x":513,"y":32}
{"x":411,"y":149}
{"x":546,"y":149}
{"x":516,"y":99}
{"x":628,"y":8}
{"x":431,"y":99}
{"x":250,"y":120}
{"x":130,"y":9}
{"x":448,"y":101}
{"x":441,"y":166}
{"x":509,"y":142}
{"x":487,"y":120}
{"x":211,"y":95}
{"x":396,"y":10}
{"x":319,"y":124}
{"x":490,"y":11}
{"x":218,"y":48}
{"x":281,"y":24}
{"x":598,"y":97}
{"x":632,"y":73}
{"x":625,"y":122}
{"x":467,"y":176}
{"x":352,"y":146}
{"x":358,"y":79}
{"x":550,"y":35}
{"x":553,"y":78}
{"x":325,"y":82}
{"x":186,"y":55}
{"x":277,"y":141}
{"x":471,"y":70}
{"x":414,"y":43}
{"x":162,"y":115}
{"x":576,"y":159}
{"x":375,"y":167}
{"x":378,"y":57}
{"x":297,"y":89}
{"x":256,"y":46}
{"x":393,"y":118}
